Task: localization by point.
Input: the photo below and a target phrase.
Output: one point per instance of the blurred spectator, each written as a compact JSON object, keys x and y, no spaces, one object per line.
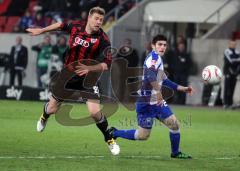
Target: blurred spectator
{"x":181,"y":39}
{"x":231,"y":70}
{"x":60,"y":48}
{"x":16,"y":29}
{"x":26,"y":21}
{"x":39,"y":20}
{"x":4,"y":64}
{"x":18,"y":61}
{"x":56,"y":60}
{"x":39,"y":7}
{"x":110,"y":22}
{"x":129,"y":53}
{"x":180,"y":63}
{"x":44,"y":53}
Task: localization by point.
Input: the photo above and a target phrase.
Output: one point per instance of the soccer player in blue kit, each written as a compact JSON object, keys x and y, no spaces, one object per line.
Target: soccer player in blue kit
{"x":151,"y":105}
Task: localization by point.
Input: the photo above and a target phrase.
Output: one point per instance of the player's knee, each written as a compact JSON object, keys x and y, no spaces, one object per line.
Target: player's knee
{"x":96,"y":116}
{"x":175,"y":126}
{"x":172,"y":123}
{"x":52,"y":108}
{"x":143,"y":136}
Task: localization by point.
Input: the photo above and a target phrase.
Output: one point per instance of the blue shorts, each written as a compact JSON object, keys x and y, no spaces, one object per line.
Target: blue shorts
{"x":146,"y":114}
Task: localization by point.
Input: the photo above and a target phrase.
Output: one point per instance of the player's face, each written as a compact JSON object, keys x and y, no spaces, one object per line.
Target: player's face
{"x":160,"y":47}
{"x":232,"y":44}
{"x":95,"y":21}
{"x":18,"y":40}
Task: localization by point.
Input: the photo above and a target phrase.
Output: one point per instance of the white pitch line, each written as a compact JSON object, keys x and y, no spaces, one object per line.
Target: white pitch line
{"x":88,"y":157}
{"x":49,"y":157}
{"x":226,"y":158}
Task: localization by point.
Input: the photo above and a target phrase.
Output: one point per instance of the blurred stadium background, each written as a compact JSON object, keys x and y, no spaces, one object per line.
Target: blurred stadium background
{"x":205,"y":25}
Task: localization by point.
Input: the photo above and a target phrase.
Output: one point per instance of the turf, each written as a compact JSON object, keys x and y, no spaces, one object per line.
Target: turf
{"x":210,"y":135}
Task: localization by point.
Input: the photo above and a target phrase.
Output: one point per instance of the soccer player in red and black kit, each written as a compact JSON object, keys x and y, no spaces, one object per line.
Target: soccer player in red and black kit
{"x":86,"y":41}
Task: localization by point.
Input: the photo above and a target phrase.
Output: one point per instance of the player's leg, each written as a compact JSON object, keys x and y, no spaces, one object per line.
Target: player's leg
{"x":227,"y":91}
{"x":174,"y":133}
{"x":145,"y":122}
{"x":102,"y":124}
{"x":50,"y":107}
{"x":12,"y":77}
{"x":233,"y":81}
{"x":132,"y":134}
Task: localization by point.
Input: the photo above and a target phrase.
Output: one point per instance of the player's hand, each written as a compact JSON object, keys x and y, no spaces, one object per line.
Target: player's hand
{"x":189,"y":90}
{"x":82,"y":69}
{"x":34,"y":31}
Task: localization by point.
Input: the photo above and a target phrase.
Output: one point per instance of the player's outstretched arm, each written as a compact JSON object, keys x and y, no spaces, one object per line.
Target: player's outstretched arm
{"x":189,"y":89}
{"x":38,"y":31}
{"x":174,"y":86}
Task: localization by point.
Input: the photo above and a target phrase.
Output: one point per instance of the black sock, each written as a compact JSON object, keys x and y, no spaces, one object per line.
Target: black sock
{"x":102,"y":125}
{"x":45,"y":115}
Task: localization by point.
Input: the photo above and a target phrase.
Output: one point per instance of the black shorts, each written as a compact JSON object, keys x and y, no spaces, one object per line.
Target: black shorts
{"x":90,"y":89}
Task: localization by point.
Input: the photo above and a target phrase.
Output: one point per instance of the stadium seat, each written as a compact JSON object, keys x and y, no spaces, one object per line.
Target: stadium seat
{"x":2,"y":20}
{"x":236,"y":35}
{"x":4,"y":5}
{"x":2,"y":23}
{"x":11,"y":22}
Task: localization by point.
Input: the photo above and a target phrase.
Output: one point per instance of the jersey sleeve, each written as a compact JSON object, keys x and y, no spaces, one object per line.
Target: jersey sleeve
{"x":151,"y":67}
{"x":150,"y":74}
{"x":104,"y":53}
{"x":67,"y":27}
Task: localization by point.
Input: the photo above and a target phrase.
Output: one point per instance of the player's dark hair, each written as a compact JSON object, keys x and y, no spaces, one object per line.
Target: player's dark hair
{"x":158,"y":37}
{"x":97,"y":10}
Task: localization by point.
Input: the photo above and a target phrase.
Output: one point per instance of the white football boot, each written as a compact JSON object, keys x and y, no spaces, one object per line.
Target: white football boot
{"x":41,"y":124}
{"x":113,"y":147}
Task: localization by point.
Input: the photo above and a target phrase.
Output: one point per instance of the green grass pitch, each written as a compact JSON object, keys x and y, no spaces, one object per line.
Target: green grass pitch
{"x":210,"y":135}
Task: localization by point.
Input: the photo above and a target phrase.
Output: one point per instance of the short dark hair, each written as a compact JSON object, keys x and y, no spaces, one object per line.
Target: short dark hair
{"x":158,"y":37}
{"x":97,"y":10}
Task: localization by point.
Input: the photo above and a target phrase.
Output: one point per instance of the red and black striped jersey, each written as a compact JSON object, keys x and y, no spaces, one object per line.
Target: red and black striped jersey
{"x":82,"y":45}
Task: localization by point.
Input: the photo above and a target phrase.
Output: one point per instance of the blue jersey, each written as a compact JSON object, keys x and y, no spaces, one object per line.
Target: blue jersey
{"x":153,"y":71}
{"x":146,"y":107}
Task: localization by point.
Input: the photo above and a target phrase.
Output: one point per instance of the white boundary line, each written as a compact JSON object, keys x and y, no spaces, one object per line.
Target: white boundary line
{"x":88,"y":157}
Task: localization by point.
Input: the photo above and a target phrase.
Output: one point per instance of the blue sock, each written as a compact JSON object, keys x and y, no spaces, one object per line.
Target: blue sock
{"x":127,"y":134}
{"x":175,"y":140}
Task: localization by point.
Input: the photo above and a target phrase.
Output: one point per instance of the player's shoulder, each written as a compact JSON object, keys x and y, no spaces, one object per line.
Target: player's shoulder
{"x":153,"y":56}
{"x":227,"y":51}
{"x":153,"y":59}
